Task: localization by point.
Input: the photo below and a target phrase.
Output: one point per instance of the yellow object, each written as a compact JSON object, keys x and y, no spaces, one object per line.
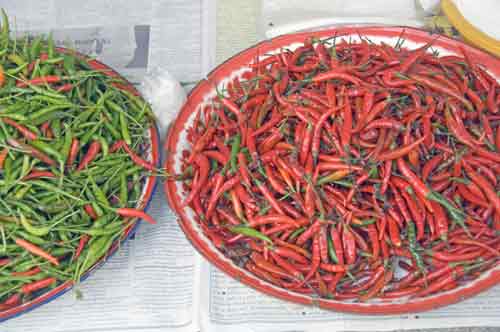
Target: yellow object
{"x":469,"y":32}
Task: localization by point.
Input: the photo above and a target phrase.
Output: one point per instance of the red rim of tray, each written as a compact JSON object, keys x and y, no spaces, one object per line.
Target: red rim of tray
{"x":149,"y":189}
{"x":489,"y":279}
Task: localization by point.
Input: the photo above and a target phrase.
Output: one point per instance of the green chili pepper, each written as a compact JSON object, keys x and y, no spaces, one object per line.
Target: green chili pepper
{"x":104,"y":145}
{"x":36,"y":45}
{"x":413,"y":244}
{"x":112,"y":130}
{"x":31,"y":238}
{"x":63,"y":236}
{"x":247,"y":231}
{"x":51,"y":49}
{"x":123,"y":190}
{"x":61,"y":251}
{"x":47,"y":110}
{"x":98,"y":193}
{"x":37,"y":231}
{"x":69,"y":64}
{"x":22,"y":192}
{"x":49,"y":186}
{"x":88,"y":135}
{"x":17,"y":59}
{"x":364,"y":223}
{"x":331,"y":251}
{"x":97,"y":248}
{"x":297,"y":232}
{"x":235,"y":149}
{"x":124,"y":128}
{"x":5,"y":30}
{"x":46,"y":148}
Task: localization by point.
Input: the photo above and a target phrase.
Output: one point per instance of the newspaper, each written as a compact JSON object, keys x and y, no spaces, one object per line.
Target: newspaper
{"x":156,"y":281}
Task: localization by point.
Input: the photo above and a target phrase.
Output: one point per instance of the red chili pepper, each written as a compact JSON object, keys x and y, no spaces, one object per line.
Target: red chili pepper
{"x":490,"y":100}
{"x":202,"y":142}
{"x":375,"y":276}
{"x":31,"y":272}
{"x":485,"y":186}
{"x":238,"y":209}
{"x":13,"y":300}
{"x":269,"y":196}
{"x":92,"y":152}
{"x":274,"y":218}
{"x":373,"y":236}
{"x":204,"y":168}
{"x":37,"y":251}
{"x":415,"y":213}
{"x":113,"y":148}
{"x":384,"y":123}
{"x":46,"y":131}
{"x":37,"y":285}
{"x":29,"y":150}
{"x":136,"y":159}
{"x":404,"y":292}
{"x":337,"y":245}
{"x":414,"y":56}
{"x":471,"y":197}
{"x":482,"y":245}
{"x":286,"y":266}
{"x":309,"y":201}
{"x":35,"y":174}
{"x":385,"y":249}
{"x":440,"y":220}
{"x":262,"y":274}
{"x":309,"y":233}
{"x":349,"y":243}
{"x":453,"y":257}
{"x":387,"y":170}
{"x":243,"y":168}
{"x":3,"y":155}
{"x":259,"y":260}
{"x":459,"y":130}
{"x":90,"y":211}
{"x":335,"y":74}
{"x":306,"y":141}
{"x":28,"y":134}
{"x":65,"y":87}
{"x":291,"y":254}
{"x":396,"y":216}
{"x":402,"y":206}
{"x":345,"y":133}
{"x":442,"y":89}
{"x":317,"y":133}
{"x":323,"y":245}
{"x":134,"y":213}
{"x":431,"y":165}
{"x":372,"y":114}
{"x":398,"y":153}
{"x":73,"y":151}
{"x":316,"y":259}
{"x":81,"y":245}
{"x":49,"y":79}
{"x":442,"y":282}
{"x":394,"y":231}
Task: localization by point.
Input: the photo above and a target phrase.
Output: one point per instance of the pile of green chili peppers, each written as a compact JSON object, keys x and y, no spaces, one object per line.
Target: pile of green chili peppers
{"x":71,"y":147}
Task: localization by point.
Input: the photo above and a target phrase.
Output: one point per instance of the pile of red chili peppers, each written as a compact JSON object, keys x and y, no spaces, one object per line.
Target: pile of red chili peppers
{"x":71,"y":170}
{"x":352,"y":170}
